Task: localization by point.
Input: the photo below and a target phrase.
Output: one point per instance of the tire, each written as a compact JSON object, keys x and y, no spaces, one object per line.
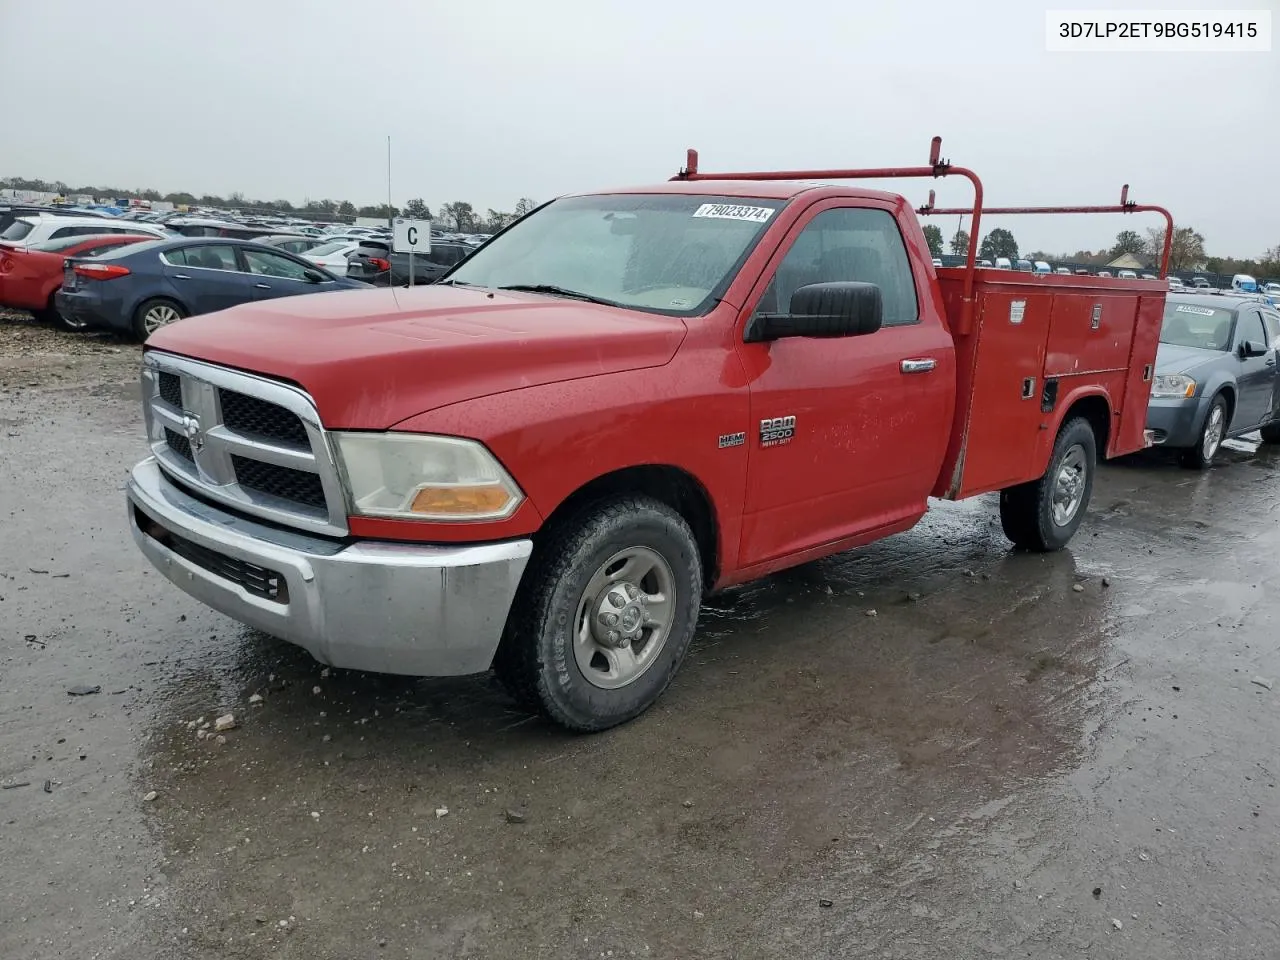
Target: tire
{"x":1196,"y":458}
{"x":150,"y":313}
{"x":1271,"y":432}
{"x":556,"y":655}
{"x":1043,"y":515}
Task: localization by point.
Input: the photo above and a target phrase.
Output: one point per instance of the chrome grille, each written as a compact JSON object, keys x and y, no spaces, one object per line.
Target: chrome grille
{"x":171,"y":389}
{"x":257,"y":418}
{"x":179,"y":444}
{"x":244,"y":441}
{"x":283,"y":482}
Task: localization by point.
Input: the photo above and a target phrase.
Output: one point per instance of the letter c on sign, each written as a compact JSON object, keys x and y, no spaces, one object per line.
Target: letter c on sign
{"x":413,"y":236}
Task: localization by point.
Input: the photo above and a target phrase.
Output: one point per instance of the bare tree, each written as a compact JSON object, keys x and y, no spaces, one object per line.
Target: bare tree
{"x":1186,"y":251}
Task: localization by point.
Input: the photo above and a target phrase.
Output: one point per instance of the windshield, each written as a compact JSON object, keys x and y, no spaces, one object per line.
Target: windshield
{"x":663,"y":253}
{"x":1191,"y":325}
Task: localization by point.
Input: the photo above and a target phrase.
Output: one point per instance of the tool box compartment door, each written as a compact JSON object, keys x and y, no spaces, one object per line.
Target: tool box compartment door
{"x":998,"y":407}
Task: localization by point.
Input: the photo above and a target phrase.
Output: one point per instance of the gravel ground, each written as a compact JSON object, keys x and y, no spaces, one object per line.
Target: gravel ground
{"x":995,"y":764}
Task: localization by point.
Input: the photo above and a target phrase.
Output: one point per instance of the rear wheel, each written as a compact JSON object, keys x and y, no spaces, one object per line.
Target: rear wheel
{"x":604,"y":617}
{"x":1200,"y":457}
{"x":153,"y":314}
{"x":1043,"y":515}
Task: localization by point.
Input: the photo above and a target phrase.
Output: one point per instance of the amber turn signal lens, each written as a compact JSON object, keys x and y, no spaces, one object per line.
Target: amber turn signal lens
{"x":461,"y":501}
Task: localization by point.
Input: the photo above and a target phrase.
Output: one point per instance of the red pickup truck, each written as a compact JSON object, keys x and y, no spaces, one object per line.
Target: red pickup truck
{"x":624,"y":400}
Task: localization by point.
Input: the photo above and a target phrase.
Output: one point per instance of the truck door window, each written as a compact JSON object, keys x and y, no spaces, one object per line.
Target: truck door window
{"x":848,"y":244}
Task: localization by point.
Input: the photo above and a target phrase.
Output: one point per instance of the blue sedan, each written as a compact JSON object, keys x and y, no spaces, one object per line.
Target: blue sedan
{"x":140,"y":288}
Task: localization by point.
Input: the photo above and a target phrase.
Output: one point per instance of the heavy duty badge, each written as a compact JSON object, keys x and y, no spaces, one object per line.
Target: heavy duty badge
{"x":775,"y":431}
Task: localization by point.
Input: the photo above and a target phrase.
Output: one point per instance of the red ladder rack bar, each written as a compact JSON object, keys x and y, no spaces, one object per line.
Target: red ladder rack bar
{"x":937,"y":167}
{"x":1125,"y":206}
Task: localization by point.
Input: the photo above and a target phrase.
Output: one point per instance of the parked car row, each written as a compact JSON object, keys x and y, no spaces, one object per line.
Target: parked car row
{"x":31,"y":276}
{"x":138,"y":289}
{"x":135,"y":284}
{"x":133,"y":278}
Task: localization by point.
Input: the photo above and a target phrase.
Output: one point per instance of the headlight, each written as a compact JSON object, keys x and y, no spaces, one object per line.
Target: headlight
{"x":1173,"y":385}
{"x":418,"y":477}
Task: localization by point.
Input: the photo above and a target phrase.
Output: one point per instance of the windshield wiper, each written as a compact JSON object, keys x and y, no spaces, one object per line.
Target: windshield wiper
{"x":454,"y":283}
{"x":555,"y":291}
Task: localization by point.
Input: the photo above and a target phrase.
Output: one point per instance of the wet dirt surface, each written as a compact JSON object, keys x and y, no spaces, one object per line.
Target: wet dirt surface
{"x":994,"y":764}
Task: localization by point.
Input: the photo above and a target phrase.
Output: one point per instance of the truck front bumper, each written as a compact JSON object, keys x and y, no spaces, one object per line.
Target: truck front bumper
{"x":366,"y":605}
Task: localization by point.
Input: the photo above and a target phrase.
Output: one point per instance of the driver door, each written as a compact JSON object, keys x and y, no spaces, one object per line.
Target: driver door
{"x":872,"y":413}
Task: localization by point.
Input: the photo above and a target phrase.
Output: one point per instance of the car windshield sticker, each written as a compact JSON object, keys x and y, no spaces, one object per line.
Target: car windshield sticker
{"x":1017,"y":309}
{"x":1198,"y":311}
{"x":731,"y":211}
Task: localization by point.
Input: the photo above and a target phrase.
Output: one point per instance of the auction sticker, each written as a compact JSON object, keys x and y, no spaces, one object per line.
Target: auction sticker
{"x":733,"y":211}
{"x":1017,"y":310}
{"x":1198,"y":311}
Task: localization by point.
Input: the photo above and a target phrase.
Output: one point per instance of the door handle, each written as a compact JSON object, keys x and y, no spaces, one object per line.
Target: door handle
{"x":263,"y":286}
{"x":181,"y":276}
{"x":919,"y":365}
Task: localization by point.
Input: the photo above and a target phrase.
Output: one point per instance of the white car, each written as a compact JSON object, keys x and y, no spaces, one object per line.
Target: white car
{"x":39,"y":227}
{"x":1063,"y":271}
{"x":332,"y":255}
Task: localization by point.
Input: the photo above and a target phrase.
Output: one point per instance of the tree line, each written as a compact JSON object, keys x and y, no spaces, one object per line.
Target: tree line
{"x":458,"y":216}
{"x":1187,"y":252}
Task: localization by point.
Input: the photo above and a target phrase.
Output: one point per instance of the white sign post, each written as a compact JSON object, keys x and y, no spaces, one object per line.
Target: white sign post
{"x":411,"y":236}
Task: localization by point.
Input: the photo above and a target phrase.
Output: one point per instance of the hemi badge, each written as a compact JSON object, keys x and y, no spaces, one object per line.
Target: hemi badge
{"x":732,"y":440}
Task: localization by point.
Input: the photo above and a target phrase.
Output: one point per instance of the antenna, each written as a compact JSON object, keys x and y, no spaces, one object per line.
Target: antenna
{"x":389,"y":213}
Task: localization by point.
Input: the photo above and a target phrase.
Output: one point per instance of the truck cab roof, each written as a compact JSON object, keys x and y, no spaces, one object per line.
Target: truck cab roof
{"x":761,"y":189}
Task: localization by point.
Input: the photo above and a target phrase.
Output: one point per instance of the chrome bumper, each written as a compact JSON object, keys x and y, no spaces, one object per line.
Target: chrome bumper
{"x":386,"y":607}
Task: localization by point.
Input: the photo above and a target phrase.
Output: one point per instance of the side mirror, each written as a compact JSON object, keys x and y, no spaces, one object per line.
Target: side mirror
{"x":1251,"y":348}
{"x":313,"y":276}
{"x":836,"y":309}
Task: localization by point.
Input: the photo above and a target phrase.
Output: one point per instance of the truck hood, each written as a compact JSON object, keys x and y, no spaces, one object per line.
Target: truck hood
{"x":1171,"y":358}
{"x":371,"y":359}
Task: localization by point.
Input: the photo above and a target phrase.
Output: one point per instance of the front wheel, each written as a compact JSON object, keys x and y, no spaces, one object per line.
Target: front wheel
{"x":605,"y":615}
{"x":1200,"y":457}
{"x":1043,"y":515}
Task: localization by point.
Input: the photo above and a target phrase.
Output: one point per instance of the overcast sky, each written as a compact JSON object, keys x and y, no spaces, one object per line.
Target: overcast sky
{"x":490,"y":100}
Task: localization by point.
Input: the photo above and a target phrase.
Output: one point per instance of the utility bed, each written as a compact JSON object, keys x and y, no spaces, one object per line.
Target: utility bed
{"x":1038,"y":345}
